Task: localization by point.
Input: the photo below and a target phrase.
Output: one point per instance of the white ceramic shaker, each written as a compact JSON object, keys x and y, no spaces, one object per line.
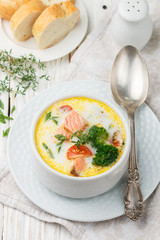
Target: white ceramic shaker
{"x":131,"y":24}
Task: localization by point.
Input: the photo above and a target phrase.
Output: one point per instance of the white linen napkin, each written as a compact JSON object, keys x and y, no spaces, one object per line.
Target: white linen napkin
{"x":93,"y":60}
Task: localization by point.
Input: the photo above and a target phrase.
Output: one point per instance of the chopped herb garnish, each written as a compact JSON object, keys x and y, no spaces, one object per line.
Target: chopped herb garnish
{"x":50,"y":153}
{"x":48,"y":150}
{"x":61,"y":139}
{"x":110,"y":126}
{"x":5,"y":133}
{"x":1,"y":104}
{"x":82,"y":138}
{"x":123,"y":143}
{"x":54,"y":120}
{"x":49,"y":116}
{"x":45,"y":146}
{"x":13,"y":109}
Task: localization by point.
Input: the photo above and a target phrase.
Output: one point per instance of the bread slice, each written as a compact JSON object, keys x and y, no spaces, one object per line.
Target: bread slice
{"x":21,"y":2}
{"x":9,"y":7}
{"x":24,"y":18}
{"x":55,"y":23}
{"x":51,"y":2}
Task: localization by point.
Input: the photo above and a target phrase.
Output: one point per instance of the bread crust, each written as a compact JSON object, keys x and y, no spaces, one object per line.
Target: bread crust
{"x":7,"y":9}
{"x":55,"y":12}
{"x":31,"y":8}
{"x":51,"y":2}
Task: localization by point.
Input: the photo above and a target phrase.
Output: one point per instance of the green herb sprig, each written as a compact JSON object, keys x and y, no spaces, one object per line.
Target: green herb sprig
{"x":22,"y":70}
{"x":83,"y":138}
{"x":3,"y":118}
{"x":50,"y":117}
{"x":61,"y":139}
{"x":48,"y":150}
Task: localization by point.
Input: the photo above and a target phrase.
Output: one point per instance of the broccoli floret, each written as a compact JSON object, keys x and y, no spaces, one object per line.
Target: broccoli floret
{"x":97,"y":135}
{"x":105,"y":155}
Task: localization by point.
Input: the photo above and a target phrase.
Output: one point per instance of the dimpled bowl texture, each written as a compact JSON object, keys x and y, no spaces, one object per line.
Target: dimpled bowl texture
{"x":79,"y":187}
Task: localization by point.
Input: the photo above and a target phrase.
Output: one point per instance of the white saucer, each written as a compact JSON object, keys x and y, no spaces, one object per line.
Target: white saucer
{"x":105,"y":206}
{"x":67,"y":45}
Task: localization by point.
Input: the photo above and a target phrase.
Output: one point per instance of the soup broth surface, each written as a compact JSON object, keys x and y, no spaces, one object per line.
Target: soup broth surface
{"x":95,"y":113}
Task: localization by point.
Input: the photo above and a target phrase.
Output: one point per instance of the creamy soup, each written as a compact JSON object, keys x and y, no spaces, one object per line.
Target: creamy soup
{"x":80,"y":137}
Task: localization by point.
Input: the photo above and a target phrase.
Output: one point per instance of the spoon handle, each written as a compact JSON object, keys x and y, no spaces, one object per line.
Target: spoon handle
{"x":133,"y":198}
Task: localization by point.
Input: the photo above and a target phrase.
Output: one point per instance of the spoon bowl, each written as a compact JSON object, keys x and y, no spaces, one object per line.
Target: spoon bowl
{"x":129,"y":79}
{"x":129,"y":85}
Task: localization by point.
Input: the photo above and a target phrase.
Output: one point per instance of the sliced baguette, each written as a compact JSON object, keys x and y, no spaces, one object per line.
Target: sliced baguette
{"x":55,"y":23}
{"x":9,"y":7}
{"x":21,"y":2}
{"x":24,"y":18}
{"x":51,"y":2}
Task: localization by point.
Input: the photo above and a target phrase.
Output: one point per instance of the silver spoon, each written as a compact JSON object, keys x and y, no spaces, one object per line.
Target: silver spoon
{"x":129,"y":86}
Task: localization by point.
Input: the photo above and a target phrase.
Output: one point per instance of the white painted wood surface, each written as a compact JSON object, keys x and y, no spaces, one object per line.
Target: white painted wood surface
{"x":15,"y":225}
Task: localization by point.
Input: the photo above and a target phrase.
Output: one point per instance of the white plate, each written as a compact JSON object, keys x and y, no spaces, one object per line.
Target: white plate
{"x":106,"y":206}
{"x":68,"y":44}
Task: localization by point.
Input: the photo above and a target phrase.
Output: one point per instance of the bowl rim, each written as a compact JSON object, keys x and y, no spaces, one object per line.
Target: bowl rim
{"x":65,"y":176}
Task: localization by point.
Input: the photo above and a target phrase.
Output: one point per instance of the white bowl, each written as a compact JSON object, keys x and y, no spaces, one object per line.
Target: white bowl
{"x":79,"y":187}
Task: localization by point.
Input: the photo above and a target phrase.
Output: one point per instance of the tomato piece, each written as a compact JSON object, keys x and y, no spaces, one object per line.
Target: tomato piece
{"x":66,"y":108}
{"x":116,"y":144}
{"x":74,"y":152}
{"x":116,"y":139}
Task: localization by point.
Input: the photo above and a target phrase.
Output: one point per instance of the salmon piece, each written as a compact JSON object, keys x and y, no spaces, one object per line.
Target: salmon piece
{"x":73,"y":152}
{"x":79,"y":164}
{"x":74,"y":122}
{"x":74,"y":172}
{"x":63,"y":132}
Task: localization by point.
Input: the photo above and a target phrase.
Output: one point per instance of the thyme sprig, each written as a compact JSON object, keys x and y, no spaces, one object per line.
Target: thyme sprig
{"x":22,"y":70}
{"x":82,"y":138}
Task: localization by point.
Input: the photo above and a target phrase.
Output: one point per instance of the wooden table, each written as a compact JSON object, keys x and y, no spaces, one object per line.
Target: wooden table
{"x":15,"y":225}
